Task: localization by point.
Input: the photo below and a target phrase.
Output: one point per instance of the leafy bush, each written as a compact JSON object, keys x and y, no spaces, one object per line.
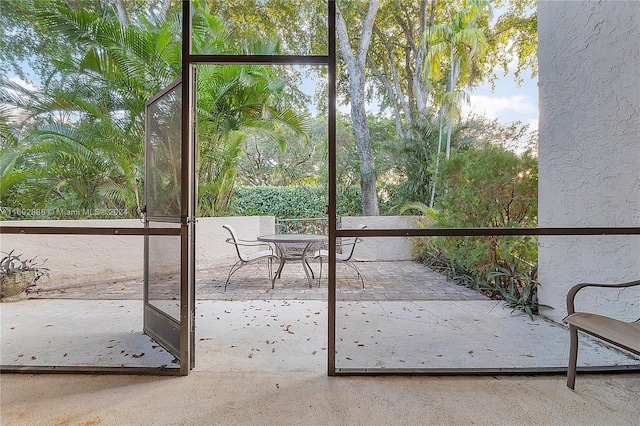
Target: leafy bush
{"x":303,"y":201}
{"x":484,"y":187}
{"x":487,"y":187}
{"x":280,"y":201}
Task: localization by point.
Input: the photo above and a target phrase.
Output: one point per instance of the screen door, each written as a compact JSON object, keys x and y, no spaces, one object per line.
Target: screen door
{"x":165,"y":265}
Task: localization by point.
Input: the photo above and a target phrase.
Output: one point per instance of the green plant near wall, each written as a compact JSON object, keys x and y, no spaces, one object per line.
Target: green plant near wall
{"x":19,"y":275}
{"x":486,"y":187}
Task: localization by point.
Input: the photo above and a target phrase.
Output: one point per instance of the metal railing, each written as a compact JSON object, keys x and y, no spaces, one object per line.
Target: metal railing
{"x":307,"y":225}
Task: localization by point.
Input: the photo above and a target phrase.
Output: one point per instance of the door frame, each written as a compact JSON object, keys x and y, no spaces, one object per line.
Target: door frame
{"x":189,"y":60}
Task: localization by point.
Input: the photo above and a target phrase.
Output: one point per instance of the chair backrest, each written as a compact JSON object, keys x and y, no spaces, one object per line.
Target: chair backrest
{"x":349,"y":245}
{"x":234,"y":240}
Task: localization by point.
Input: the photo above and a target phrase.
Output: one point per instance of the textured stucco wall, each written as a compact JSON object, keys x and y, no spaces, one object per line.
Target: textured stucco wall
{"x":589,"y":149}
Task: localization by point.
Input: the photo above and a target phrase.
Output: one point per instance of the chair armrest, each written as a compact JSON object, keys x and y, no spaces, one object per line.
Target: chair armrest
{"x":576,"y":288}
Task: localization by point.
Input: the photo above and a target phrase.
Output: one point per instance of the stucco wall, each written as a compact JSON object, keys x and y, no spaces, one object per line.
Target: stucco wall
{"x":388,"y":248}
{"x":80,"y":259}
{"x":76,"y":259}
{"x":589,"y":148}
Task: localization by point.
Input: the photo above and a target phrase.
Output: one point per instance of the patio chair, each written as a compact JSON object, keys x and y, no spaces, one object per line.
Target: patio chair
{"x":344,"y":254}
{"x":244,"y":258}
{"x":625,"y":335}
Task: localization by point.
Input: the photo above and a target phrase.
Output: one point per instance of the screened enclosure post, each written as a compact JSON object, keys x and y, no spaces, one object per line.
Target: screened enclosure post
{"x":185,"y":195}
{"x":331,"y":311}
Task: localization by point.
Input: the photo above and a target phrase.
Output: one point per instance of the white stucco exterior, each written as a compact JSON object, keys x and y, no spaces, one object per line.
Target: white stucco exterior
{"x":589,"y":149}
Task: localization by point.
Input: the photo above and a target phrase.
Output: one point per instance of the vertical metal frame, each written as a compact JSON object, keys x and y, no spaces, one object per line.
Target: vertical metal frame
{"x":333,"y":225}
{"x":188,"y":125}
{"x":164,"y":328}
{"x":187,"y":201}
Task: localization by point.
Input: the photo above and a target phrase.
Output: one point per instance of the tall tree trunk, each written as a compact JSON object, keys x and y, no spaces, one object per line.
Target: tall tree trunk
{"x":356,"y":67}
{"x":365,"y":151}
{"x":122,"y":13}
{"x":455,"y":71}
{"x":435,"y":175}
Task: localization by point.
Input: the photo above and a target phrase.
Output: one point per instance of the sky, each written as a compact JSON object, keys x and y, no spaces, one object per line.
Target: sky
{"x":509,"y":102}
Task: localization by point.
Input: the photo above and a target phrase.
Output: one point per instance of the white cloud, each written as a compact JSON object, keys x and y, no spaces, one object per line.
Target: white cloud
{"x":505,"y":108}
{"x":23,"y":83}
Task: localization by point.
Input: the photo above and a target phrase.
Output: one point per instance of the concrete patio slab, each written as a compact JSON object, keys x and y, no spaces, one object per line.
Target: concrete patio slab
{"x":291,"y":335}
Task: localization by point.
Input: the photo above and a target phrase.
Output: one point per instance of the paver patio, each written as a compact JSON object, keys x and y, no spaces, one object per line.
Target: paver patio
{"x":400,"y":280}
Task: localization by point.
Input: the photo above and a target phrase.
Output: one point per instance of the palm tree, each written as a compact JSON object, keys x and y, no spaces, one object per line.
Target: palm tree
{"x":460,"y":46}
{"x":90,"y":114}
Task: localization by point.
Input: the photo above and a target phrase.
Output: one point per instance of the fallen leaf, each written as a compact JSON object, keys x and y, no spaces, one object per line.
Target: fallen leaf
{"x":138,"y":356}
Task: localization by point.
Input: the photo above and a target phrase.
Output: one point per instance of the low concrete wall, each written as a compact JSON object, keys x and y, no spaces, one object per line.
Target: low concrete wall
{"x":82,"y":259}
{"x":74,"y":259}
{"x":387,"y":248}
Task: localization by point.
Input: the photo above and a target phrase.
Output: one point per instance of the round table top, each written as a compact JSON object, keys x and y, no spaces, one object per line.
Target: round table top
{"x":293,"y":238}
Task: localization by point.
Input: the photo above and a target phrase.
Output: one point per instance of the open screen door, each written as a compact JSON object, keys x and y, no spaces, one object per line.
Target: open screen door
{"x":167,"y":258}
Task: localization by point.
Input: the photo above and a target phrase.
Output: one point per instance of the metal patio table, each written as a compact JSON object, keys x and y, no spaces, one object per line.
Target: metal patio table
{"x":288,"y":248}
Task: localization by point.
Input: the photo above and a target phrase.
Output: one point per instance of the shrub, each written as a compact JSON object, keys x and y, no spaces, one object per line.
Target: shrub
{"x":485,"y":187}
{"x":302,"y":201}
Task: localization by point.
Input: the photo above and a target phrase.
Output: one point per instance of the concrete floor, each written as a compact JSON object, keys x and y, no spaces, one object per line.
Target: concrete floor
{"x":264,"y":362}
{"x":304,"y":398}
{"x":272,"y":336}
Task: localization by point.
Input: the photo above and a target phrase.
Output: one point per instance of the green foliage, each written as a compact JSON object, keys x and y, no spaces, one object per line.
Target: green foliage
{"x":15,"y":263}
{"x":293,"y":202}
{"x":518,"y":288}
{"x":83,"y":150}
{"x":285,"y":202}
{"x":486,"y":186}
